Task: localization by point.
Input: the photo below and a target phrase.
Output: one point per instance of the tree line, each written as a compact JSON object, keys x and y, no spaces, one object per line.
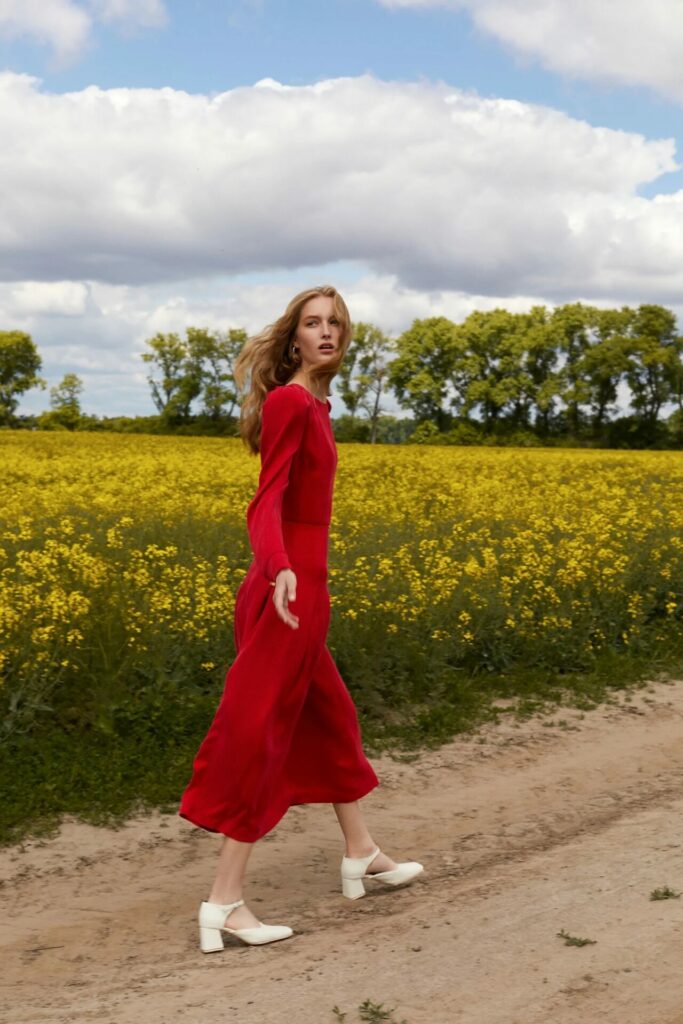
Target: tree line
{"x":541,"y":377}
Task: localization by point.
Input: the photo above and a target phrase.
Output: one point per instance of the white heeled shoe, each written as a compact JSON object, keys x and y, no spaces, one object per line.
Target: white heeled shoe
{"x":353,"y":873}
{"x":212,"y":918}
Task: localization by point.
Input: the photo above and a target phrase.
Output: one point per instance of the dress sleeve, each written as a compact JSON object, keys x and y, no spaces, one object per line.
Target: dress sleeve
{"x":283,"y":420}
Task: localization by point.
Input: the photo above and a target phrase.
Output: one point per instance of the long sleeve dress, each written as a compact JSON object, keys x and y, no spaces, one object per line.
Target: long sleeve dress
{"x":286,"y":730}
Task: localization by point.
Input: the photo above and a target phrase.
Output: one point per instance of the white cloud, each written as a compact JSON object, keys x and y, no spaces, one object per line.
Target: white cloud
{"x":383,"y":301}
{"x":623,"y":41}
{"x":442,"y":188}
{"x":130,"y":12}
{"x":53,"y":298}
{"x":66,"y":26}
{"x":60,"y":24}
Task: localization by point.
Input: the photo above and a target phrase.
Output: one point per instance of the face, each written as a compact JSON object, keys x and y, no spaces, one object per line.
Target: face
{"x":318,"y":333}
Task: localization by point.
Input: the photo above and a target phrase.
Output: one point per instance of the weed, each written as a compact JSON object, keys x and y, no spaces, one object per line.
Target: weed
{"x":371,"y":1013}
{"x":572,"y":940}
{"x":665,"y":893}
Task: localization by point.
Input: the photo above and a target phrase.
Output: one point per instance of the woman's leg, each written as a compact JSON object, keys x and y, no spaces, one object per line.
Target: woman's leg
{"x":359,"y":842}
{"x":227,"y":887}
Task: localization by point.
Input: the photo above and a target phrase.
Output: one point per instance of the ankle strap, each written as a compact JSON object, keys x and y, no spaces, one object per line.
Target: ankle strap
{"x":229,"y":907}
{"x":366,"y":860}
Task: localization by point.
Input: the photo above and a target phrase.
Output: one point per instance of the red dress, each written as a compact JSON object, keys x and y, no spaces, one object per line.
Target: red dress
{"x":286,"y":729}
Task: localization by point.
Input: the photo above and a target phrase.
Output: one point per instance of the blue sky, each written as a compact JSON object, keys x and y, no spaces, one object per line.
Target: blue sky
{"x":206,"y":49}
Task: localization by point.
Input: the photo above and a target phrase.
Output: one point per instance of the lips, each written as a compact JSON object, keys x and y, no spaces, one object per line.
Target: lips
{"x":325,"y":348}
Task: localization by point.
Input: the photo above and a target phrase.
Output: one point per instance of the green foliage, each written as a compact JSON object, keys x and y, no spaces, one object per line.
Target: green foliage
{"x":19,"y":365}
{"x":370,"y":1013}
{"x":374,"y":1013}
{"x":136,"y":756}
{"x":66,"y":409}
{"x":178,"y":386}
{"x":198,"y":366}
{"x":548,"y":377}
{"x":542,"y":374}
{"x":363,"y":378}
{"x":128,"y":747}
{"x":571,"y":940}
{"x":674,"y":429}
{"x":465,"y":433}
{"x":424,"y":368}
{"x":52,"y":421}
{"x":425,"y":433}
{"x":665,"y":893}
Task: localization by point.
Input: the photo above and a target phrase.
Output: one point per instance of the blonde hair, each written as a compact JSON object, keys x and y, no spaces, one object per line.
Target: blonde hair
{"x":269,"y":360}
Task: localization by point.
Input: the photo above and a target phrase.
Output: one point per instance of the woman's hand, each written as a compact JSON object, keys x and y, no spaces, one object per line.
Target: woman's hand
{"x":284,"y":593}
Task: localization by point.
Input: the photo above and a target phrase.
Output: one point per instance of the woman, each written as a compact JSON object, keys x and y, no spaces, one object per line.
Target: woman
{"x":286,"y":730}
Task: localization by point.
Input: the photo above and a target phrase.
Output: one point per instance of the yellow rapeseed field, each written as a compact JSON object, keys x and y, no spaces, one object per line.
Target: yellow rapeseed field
{"x":123,"y":552}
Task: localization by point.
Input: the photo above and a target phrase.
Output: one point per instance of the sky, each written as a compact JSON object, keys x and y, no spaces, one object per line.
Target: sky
{"x":174,"y":163}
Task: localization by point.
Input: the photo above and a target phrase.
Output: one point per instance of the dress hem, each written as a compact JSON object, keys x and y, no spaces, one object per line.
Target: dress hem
{"x":294,"y":801}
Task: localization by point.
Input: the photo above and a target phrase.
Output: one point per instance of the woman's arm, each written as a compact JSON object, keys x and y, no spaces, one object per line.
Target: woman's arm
{"x":284,"y":415}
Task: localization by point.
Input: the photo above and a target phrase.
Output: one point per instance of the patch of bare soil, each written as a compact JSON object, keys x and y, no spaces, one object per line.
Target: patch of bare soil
{"x":525,"y":830}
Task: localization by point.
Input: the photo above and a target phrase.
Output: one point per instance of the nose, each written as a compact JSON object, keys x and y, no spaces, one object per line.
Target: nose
{"x":325,"y":329}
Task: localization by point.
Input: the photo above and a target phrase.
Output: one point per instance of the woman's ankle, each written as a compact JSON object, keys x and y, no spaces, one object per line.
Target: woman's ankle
{"x":357,"y":852}
{"x":223,"y":898}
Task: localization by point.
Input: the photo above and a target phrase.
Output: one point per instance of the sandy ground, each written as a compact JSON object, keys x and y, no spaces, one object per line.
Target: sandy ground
{"x":524,"y":830}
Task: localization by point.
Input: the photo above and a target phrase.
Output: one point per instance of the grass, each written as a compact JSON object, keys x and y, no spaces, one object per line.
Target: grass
{"x":572,"y":940}
{"x":370,"y":1013}
{"x":665,"y":893}
{"x":141,"y":760}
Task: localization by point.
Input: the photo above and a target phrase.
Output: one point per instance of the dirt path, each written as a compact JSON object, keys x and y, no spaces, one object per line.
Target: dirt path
{"x":524,"y":830}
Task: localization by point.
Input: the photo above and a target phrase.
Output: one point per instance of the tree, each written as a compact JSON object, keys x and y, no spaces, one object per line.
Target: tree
{"x":541,"y":381}
{"x":493,"y":355}
{"x":200,"y":365}
{"x":180,"y":381}
{"x":606,"y":361}
{"x":572,"y":323}
{"x":213,"y":357}
{"x":364,"y":373}
{"x":426,"y":364}
{"x":64,"y":396}
{"x":677,"y":373}
{"x":64,"y":401}
{"x":653,"y":360}
{"x":19,"y":365}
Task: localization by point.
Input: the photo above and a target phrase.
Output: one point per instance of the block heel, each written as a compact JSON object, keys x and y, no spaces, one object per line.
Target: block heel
{"x":353,"y":888}
{"x":212,"y":921}
{"x":354,"y":874}
{"x":210,"y":940}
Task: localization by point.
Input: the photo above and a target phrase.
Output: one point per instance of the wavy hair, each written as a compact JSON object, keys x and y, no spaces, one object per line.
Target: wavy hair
{"x":268,"y":359}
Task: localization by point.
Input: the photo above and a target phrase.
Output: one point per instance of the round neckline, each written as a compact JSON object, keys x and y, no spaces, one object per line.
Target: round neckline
{"x":295,"y":383}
